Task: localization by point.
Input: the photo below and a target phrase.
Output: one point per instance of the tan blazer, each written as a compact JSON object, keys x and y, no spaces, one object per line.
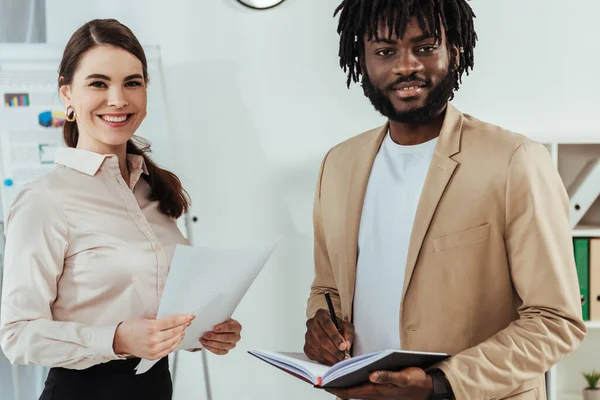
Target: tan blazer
{"x":490,"y":276}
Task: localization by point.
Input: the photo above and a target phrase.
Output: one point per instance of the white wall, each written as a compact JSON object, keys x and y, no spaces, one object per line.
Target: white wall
{"x":535,"y":68}
{"x":257,"y":98}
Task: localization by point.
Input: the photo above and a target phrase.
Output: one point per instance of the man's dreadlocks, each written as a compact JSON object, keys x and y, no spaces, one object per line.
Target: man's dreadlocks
{"x":362,"y":17}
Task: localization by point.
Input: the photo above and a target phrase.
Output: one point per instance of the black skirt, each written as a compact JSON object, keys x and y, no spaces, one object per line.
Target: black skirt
{"x":114,"y":380}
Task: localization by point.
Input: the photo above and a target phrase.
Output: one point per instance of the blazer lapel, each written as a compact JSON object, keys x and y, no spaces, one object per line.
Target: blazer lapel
{"x":440,"y":172}
{"x":357,"y":187}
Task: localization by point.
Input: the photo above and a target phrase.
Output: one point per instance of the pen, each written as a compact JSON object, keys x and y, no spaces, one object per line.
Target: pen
{"x":334,"y":318}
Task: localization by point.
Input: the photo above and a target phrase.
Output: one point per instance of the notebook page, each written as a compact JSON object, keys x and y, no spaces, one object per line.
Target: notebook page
{"x":312,"y":370}
{"x":353,"y":364}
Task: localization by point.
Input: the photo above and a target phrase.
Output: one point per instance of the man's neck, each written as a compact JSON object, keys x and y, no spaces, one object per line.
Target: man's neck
{"x":406,"y":134}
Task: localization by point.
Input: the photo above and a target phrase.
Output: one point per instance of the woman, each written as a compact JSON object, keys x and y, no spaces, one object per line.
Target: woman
{"x":89,"y":246}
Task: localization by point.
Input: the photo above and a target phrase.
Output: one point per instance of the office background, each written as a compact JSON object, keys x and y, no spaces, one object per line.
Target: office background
{"x":256,"y":98}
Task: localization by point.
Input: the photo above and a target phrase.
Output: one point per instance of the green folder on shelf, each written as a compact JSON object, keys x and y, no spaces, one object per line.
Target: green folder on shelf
{"x":582,"y":261}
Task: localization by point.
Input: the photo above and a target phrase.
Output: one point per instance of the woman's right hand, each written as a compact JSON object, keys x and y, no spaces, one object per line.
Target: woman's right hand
{"x":151,"y":338}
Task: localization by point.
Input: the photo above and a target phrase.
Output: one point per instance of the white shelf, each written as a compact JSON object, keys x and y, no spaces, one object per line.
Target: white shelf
{"x":552,"y":139}
{"x":592,"y":324}
{"x":586,"y":231}
{"x":570,"y":396}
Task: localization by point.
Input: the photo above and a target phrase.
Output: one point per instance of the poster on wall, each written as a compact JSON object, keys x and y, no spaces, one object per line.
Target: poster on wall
{"x":31,"y":121}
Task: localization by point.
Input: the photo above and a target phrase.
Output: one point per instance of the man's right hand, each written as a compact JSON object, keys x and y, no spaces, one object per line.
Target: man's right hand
{"x":151,"y":338}
{"x":323,"y":342}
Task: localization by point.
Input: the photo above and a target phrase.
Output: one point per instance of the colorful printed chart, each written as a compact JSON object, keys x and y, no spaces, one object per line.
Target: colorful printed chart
{"x":51,"y":119}
{"x":16,"y":100}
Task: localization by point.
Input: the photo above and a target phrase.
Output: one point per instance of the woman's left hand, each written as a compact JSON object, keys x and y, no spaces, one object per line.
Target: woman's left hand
{"x":223,"y":337}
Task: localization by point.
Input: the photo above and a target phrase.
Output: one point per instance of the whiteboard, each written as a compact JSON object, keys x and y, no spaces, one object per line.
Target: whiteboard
{"x":31,"y":112}
{"x":30,"y":118}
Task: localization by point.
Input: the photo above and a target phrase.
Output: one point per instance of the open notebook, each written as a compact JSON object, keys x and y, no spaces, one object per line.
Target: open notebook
{"x":350,"y":372}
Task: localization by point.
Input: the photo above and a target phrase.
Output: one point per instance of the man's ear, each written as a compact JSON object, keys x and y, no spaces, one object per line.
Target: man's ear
{"x":359,"y":47}
{"x":455,"y":52}
{"x":65,"y":93}
{"x":362,"y":63}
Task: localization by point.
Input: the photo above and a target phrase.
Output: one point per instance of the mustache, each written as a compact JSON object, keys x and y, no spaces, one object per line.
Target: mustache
{"x":410,"y":78}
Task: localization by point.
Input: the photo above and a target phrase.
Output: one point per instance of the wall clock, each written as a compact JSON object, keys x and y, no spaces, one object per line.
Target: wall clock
{"x":261,"y":4}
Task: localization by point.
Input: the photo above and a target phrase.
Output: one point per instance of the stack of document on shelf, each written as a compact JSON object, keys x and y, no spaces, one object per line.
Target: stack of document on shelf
{"x":584,"y":190}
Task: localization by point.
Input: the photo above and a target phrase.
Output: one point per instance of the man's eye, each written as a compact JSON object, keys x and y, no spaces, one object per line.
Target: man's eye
{"x":384,"y":52}
{"x":427,"y":49}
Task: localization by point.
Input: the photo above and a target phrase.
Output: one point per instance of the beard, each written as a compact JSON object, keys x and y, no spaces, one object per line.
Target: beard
{"x":434,"y":103}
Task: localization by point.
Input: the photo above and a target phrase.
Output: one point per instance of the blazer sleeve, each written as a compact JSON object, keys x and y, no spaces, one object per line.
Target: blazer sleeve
{"x":36,"y":245}
{"x":324,"y":280}
{"x":540,"y":255}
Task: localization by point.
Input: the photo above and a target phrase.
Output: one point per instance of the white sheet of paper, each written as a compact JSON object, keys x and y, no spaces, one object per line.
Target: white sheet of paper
{"x":209,"y":284}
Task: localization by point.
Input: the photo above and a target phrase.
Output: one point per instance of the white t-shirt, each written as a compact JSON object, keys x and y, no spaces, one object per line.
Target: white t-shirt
{"x":389,"y":209}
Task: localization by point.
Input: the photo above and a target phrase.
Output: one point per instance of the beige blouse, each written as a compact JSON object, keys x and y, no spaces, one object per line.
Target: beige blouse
{"x":84,"y":251}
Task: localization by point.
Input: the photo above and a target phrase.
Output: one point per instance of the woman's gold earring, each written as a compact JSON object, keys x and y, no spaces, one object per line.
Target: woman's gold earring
{"x":70,"y":114}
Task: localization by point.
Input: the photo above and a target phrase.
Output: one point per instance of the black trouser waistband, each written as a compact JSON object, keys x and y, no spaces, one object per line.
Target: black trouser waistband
{"x":119,"y":367}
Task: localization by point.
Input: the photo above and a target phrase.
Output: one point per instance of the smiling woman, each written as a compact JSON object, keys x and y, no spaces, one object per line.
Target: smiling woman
{"x":102,"y":78}
{"x":110,"y":106}
{"x":88,"y":246}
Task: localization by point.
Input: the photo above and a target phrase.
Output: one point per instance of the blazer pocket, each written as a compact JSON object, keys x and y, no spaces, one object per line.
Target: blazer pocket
{"x":527,"y":391}
{"x":530,"y":394}
{"x":461,"y":238}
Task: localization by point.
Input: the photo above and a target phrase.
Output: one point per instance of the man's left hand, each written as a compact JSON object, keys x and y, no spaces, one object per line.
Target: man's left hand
{"x":408,"y":384}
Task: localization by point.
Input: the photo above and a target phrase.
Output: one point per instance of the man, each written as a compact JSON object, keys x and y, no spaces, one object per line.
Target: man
{"x":438,"y":232}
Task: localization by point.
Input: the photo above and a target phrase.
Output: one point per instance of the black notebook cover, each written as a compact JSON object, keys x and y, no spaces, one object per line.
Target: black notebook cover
{"x":392,"y":362}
